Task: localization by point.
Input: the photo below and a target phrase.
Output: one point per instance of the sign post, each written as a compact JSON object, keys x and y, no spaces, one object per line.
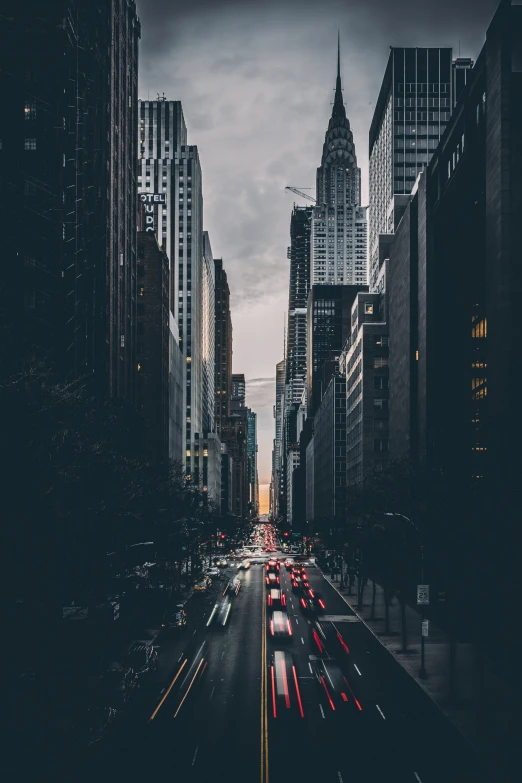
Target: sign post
{"x":425,"y":628}
{"x":423,"y":599}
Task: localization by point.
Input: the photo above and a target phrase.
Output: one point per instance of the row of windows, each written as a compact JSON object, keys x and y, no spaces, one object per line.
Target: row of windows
{"x":422,"y":87}
{"x":423,"y":116}
{"x":427,"y":103}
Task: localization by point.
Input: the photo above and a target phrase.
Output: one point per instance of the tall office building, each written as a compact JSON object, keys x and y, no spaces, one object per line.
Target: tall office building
{"x":299,"y":285}
{"x":208,"y":337}
{"x":278,"y":440}
{"x":169,"y":170}
{"x":67,"y":160}
{"x":252,"y":462}
{"x":238,"y":394}
{"x":419,"y":89}
{"x":328,"y":326}
{"x":223,"y":347}
{"x":339,"y":228}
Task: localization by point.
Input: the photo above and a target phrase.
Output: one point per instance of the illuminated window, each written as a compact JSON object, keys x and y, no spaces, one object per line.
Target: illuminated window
{"x":480,"y":329}
{"x":30,"y":111}
{"x":30,"y":144}
{"x":188,"y":453}
{"x":139,"y":367}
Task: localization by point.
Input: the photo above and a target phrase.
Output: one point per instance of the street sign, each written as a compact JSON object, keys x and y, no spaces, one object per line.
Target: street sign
{"x":423,"y":595}
{"x":425,"y":625}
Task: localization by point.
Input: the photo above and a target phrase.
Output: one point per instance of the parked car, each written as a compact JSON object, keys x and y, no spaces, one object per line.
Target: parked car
{"x":119,"y":685}
{"x":202,"y":587}
{"x":175,"y":619}
{"x":142,"y":658}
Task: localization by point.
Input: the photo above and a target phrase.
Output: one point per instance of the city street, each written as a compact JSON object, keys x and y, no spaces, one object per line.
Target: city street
{"x":209,"y":710}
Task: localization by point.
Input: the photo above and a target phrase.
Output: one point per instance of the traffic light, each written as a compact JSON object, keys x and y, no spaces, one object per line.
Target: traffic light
{"x":285,"y":534}
{"x":222,"y":535}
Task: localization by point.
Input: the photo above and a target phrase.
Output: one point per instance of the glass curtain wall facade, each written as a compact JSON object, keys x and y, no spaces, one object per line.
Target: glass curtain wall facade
{"x":412,"y":112}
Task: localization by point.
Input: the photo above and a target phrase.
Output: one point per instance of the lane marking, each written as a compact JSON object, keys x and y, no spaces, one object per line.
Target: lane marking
{"x":310,"y":667}
{"x":264,"y":702}
{"x":382,"y":713}
{"x":195,"y":754}
{"x":340,"y":777}
{"x":168,"y":690}
{"x":213,"y":689}
{"x":302,"y":640}
{"x":357,"y":670}
{"x":321,"y":708}
{"x":297,"y":621}
{"x":180,"y":657}
{"x":194,"y":633}
{"x":418,"y":778}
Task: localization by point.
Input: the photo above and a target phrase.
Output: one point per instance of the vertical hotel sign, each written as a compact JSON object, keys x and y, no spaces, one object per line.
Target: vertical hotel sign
{"x":150,"y":200}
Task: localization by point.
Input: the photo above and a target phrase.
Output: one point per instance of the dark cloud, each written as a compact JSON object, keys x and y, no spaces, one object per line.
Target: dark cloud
{"x":255,"y":78}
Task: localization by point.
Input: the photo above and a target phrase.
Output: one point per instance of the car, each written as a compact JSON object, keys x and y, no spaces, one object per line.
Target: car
{"x":222,"y":562}
{"x":328,"y":640}
{"x":283,"y":684}
{"x":202,"y":587}
{"x":296,"y":570}
{"x":280,"y":625}
{"x":272,"y":566}
{"x":212,"y":572}
{"x":232,"y":587}
{"x":276,"y":599}
{"x":142,"y":657}
{"x":289,"y":564}
{"x":220,"y":612}
{"x":312,"y":603}
{"x":297,"y":585}
{"x":272,"y":580}
{"x":97,"y":723}
{"x":119,"y":684}
{"x":175,"y":619}
{"x":244,"y":565}
{"x":336,"y":690}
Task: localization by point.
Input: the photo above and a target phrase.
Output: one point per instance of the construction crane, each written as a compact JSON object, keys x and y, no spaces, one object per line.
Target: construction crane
{"x":299,"y":192}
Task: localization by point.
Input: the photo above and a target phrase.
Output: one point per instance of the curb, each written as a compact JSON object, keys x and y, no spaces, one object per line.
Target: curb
{"x":428,"y":694}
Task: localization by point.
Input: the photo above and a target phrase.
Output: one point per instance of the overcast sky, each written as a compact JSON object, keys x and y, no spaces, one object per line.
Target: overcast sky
{"x":256,"y":82}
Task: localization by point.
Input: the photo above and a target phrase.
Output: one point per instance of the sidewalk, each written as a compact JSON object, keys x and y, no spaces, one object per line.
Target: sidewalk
{"x":463,"y":710}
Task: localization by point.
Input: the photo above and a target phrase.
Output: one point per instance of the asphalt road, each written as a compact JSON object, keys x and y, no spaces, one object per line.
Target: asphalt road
{"x":207,"y":712}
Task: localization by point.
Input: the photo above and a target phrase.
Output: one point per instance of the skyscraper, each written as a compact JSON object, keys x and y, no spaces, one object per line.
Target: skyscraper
{"x":67,"y":159}
{"x":208,"y":337}
{"x":252,"y":462}
{"x":411,"y":114}
{"x":170,"y":169}
{"x":328,"y":326}
{"x":223,"y":347}
{"x":339,"y":242}
{"x":299,"y":285}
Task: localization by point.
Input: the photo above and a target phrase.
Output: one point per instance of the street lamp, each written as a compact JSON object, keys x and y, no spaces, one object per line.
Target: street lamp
{"x":422,"y":672}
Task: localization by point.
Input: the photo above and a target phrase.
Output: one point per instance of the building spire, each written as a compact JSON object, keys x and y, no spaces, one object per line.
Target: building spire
{"x":338,"y":107}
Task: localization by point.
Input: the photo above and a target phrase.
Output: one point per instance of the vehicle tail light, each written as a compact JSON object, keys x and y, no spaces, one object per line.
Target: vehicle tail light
{"x":328,"y":694}
{"x":345,"y":646}
{"x":321,"y":604}
{"x":269,"y":601}
{"x":345,"y":697}
{"x":298,"y":693}
{"x":272,"y":627}
{"x":289,"y":626}
{"x":283,"y":599}
{"x":318,"y":641}
{"x":303,"y":602}
{"x":311,"y":592}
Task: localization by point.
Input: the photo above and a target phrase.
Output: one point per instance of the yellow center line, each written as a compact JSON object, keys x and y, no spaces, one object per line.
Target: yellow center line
{"x":168,"y":691}
{"x":189,"y":687}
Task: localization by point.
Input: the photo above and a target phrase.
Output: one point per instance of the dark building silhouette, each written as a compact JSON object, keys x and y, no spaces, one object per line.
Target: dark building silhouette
{"x":223,"y":347}
{"x":299,"y":286}
{"x":328,"y":326}
{"x":152,"y":387}
{"x":455,"y":287}
{"x":67,"y":163}
{"x":330,"y":457}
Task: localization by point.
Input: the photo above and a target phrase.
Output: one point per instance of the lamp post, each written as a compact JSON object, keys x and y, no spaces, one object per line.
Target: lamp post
{"x":423,"y":674}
